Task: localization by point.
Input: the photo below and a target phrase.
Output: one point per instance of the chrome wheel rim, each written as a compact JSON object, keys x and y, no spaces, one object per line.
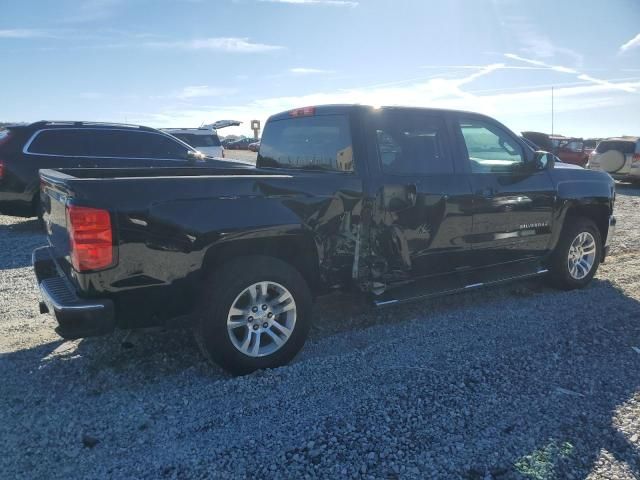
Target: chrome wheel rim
{"x":261,"y":319}
{"x":582,"y":255}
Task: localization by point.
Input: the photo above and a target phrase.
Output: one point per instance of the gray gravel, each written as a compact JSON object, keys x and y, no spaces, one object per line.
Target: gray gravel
{"x":516,"y":382}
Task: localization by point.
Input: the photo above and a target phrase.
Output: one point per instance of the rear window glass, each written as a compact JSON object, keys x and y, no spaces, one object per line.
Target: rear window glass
{"x":313,"y":143}
{"x":196,"y":141}
{"x":59,"y":142}
{"x":619,"y":145}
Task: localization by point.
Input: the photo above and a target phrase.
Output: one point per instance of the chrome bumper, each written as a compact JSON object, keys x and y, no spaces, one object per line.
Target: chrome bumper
{"x":76,"y":317}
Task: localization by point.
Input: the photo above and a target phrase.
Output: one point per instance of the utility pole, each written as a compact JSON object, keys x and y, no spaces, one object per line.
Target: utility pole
{"x":552,"y":111}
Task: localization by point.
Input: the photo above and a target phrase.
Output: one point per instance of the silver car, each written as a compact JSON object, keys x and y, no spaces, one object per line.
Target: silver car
{"x":619,"y":157}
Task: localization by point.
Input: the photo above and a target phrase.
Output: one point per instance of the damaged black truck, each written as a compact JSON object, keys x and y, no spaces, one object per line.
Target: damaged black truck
{"x":396,"y":203}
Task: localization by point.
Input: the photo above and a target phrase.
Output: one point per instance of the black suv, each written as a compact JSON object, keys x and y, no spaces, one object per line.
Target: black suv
{"x":25,"y":149}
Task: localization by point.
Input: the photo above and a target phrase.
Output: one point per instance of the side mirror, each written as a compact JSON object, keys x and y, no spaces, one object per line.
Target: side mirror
{"x":543,"y":160}
{"x":396,"y":198}
{"x":194,"y":156}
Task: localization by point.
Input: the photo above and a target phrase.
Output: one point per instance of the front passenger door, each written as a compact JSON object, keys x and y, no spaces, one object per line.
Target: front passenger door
{"x":512,"y":202}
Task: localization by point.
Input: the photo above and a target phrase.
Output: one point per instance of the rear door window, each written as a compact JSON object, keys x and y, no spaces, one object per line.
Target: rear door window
{"x":314,"y":143}
{"x":58,"y":142}
{"x":411,"y":143}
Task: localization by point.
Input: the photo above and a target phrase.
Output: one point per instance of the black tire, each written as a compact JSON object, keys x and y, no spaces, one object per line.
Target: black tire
{"x":221,"y":290}
{"x":36,"y":207}
{"x":559,"y":274}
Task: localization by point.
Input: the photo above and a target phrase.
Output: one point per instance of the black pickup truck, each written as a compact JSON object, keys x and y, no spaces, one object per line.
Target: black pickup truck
{"x":396,"y":203}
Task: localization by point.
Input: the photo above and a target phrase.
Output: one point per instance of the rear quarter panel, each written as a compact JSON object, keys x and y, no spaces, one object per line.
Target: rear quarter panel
{"x":165,"y":228}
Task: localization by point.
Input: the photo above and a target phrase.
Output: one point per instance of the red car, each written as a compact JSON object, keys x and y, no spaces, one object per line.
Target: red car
{"x":568,"y":149}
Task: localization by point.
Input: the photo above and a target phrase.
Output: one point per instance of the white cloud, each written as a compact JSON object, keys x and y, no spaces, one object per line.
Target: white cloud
{"x":535,"y":44}
{"x":25,"y":33}
{"x":200,"y":91}
{"x":223,"y":44}
{"x":518,"y":108}
{"x":308,"y":71}
{"x":587,"y":78}
{"x":633,"y":43}
{"x":333,"y":3}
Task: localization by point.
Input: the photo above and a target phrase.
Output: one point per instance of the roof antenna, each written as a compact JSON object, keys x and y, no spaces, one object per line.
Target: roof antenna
{"x":552,"y":111}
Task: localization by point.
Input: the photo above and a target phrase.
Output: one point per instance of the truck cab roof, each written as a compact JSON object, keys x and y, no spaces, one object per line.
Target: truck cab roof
{"x":338,"y":109}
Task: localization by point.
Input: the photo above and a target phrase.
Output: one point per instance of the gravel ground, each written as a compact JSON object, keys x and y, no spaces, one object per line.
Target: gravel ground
{"x":245,"y":155}
{"x":514,"y":382}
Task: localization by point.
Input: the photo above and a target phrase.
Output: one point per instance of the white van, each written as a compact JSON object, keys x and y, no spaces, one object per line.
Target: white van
{"x":205,"y":138}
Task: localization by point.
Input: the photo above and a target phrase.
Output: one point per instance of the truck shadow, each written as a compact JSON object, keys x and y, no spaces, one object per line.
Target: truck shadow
{"x":26,"y":233}
{"x":547,"y":427}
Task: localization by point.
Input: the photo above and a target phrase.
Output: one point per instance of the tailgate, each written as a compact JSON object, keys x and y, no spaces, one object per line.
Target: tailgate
{"x":54,"y":196}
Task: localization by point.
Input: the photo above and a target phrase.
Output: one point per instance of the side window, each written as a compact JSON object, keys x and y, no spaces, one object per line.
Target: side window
{"x":491,"y":150}
{"x":58,"y":142}
{"x":106,"y":143}
{"x":314,"y":143}
{"x":411,"y":144}
{"x":157,"y":146}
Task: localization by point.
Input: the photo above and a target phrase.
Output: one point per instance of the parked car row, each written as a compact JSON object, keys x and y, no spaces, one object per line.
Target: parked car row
{"x":241,"y":144}
{"x":24,"y":149}
{"x":205,"y":138}
{"x":572,"y":150}
{"x":395,"y":203}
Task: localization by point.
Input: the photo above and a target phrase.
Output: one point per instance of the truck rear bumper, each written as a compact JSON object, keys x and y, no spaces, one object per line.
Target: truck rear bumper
{"x":76,"y":317}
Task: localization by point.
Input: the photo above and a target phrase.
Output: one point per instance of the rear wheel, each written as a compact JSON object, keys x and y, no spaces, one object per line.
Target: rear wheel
{"x":577,"y":256}
{"x":254,"y":314}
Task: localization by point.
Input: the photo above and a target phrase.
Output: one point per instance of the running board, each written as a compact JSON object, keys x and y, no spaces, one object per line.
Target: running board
{"x":440,"y":286}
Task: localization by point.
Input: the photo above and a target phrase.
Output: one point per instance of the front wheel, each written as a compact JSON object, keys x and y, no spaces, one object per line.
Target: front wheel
{"x":577,"y":256}
{"x":254,"y":314}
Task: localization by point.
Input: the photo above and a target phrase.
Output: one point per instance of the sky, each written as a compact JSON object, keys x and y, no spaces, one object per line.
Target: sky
{"x":182,"y":63}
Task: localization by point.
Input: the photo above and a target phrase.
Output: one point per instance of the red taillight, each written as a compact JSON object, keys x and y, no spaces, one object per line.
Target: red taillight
{"x":636,"y":158}
{"x":303,"y":112}
{"x":91,"y":238}
{"x":3,"y":140}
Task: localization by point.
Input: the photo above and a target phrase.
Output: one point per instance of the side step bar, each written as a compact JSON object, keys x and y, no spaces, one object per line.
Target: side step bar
{"x":438,"y":293}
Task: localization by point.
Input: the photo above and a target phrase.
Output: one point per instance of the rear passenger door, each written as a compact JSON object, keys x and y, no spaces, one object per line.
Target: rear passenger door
{"x":425,"y":213}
